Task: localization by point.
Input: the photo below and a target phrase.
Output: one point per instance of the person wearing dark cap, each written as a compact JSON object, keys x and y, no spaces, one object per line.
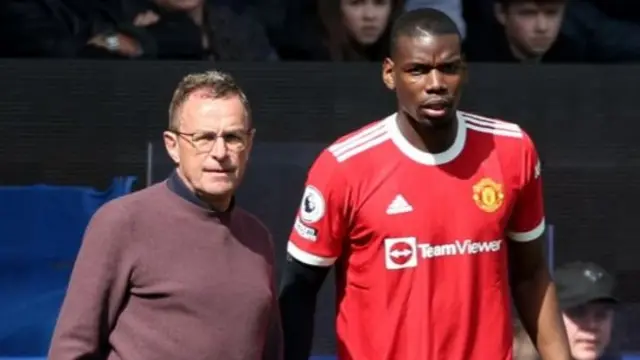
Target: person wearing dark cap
{"x":586,"y":296}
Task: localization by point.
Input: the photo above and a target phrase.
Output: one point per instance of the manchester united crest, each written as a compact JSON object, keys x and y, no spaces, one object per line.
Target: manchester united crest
{"x":488,"y":195}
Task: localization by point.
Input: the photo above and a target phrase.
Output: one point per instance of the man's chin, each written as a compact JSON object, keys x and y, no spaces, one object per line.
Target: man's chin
{"x":436,"y":123}
{"x":217,"y":184}
{"x":538,"y":52}
{"x":583,"y":351}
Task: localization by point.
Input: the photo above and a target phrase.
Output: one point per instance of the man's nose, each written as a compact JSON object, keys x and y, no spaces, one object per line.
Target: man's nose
{"x":435,"y":81}
{"x":542,"y":23}
{"x":591,"y":322}
{"x":219,"y":149}
{"x":369,"y":12}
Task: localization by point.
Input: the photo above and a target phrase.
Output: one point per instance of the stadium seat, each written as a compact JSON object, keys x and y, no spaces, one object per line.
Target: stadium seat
{"x":41,"y":228}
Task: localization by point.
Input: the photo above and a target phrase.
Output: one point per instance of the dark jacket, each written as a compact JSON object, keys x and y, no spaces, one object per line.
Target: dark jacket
{"x":232,"y":36}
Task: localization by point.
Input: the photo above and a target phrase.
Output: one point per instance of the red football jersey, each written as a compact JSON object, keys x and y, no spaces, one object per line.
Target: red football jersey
{"x":420,"y":240}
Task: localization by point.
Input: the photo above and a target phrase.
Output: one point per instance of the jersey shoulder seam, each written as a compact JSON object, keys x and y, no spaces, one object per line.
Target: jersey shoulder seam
{"x":486,"y":125}
{"x":359,"y":141}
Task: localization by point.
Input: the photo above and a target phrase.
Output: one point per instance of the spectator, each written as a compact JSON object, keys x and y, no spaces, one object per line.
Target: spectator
{"x":339,"y":30}
{"x":610,"y":29}
{"x":586,"y":296}
{"x":453,"y":9}
{"x":50,"y":28}
{"x":585,"y":292}
{"x":191,"y":30}
{"x":530,"y":31}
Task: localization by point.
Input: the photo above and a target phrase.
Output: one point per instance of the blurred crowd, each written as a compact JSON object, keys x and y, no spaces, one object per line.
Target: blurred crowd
{"x":594,"y":31}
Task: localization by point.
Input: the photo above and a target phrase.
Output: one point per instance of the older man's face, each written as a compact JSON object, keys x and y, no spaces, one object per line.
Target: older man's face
{"x":212,"y":143}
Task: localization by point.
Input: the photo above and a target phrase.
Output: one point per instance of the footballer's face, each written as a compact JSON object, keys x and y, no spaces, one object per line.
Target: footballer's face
{"x":427,"y":72}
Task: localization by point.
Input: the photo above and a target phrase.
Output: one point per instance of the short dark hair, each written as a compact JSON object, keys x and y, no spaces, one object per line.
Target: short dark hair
{"x":420,"y":21}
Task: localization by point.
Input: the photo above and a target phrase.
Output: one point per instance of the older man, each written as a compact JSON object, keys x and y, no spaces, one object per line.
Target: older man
{"x":177,"y":271}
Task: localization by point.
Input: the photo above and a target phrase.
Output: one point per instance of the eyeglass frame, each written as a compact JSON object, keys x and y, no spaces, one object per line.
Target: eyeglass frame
{"x":190,"y":137}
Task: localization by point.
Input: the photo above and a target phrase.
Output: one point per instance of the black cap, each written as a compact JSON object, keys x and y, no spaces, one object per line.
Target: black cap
{"x":579,"y":283}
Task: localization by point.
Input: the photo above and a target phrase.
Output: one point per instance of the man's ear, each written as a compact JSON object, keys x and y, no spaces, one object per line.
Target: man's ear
{"x":388,"y":76}
{"x":171,"y":144}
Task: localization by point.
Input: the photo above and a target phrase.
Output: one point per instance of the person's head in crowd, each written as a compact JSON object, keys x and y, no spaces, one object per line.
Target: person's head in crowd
{"x":209,"y":136}
{"x":523,"y":348}
{"x":586,"y":295}
{"x":357,"y":29}
{"x":531,"y":26}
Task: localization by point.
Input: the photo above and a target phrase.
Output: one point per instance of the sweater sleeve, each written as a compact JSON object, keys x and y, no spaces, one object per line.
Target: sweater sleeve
{"x":274,"y":343}
{"x":97,"y":287}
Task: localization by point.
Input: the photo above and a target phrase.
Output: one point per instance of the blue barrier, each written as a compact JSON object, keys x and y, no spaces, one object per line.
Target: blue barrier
{"x":41,"y":229}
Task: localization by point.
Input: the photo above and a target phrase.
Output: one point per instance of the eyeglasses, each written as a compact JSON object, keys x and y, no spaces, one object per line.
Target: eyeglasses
{"x":204,"y":141}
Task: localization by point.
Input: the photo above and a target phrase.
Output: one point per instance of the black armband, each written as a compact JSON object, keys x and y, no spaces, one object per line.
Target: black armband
{"x":298,"y":290}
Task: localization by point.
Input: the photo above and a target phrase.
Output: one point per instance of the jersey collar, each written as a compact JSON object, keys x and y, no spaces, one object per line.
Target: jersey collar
{"x":424,"y":157}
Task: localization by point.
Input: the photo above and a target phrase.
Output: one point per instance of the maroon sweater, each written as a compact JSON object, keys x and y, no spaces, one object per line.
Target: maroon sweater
{"x":161,"y":277}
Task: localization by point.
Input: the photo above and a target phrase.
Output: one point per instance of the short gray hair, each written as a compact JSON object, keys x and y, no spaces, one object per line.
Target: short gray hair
{"x":219,"y":83}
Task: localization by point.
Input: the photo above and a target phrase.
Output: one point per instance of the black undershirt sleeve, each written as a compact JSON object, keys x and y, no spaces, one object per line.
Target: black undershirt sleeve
{"x":298,"y":291}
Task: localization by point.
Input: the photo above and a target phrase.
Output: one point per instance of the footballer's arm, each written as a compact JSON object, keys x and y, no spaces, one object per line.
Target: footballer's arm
{"x":534,"y":295}
{"x":315,"y":243}
{"x":298,"y":292}
{"x":533,"y":291}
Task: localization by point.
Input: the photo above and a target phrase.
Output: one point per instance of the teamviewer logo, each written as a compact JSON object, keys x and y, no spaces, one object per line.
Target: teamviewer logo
{"x":400,"y":253}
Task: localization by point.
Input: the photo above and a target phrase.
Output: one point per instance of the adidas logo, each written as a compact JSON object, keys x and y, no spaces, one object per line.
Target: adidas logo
{"x":399,"y":205}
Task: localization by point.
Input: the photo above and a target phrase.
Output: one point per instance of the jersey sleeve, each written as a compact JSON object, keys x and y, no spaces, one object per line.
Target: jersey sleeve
{"x":321,"y":223}
{"x":527,"y":220}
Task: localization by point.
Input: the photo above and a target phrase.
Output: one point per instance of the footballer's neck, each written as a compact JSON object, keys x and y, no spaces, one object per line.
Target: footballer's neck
{"x":430,"y":138}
